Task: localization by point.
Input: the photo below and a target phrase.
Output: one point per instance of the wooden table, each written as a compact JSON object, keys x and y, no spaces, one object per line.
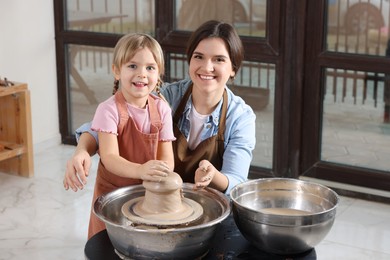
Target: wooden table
{"x":16,"y":150}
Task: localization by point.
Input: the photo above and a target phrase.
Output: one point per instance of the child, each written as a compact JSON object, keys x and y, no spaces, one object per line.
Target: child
{"x":134,"y":126}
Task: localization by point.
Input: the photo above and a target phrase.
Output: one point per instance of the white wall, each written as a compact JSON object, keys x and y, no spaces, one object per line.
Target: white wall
{"x":27,"y":54}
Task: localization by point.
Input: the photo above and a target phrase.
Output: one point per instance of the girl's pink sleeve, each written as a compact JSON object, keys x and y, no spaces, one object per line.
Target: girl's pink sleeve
{"x":166,"y":132}
{"x":106,"y":117}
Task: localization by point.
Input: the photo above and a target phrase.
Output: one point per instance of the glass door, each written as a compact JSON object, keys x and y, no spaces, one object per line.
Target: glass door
{"x":346,"y":98}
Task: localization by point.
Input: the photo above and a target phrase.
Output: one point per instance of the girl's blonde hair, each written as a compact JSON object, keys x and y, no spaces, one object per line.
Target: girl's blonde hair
{"x":128,"y":45}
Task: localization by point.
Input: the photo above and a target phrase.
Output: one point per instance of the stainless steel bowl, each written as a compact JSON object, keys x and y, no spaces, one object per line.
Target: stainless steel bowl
{"x":313,"y":208}
{"x":188,"y":242}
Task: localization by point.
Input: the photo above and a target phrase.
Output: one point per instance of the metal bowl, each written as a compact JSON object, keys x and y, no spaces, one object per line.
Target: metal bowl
{"x":188,"y":242}
{"x":283,"y":216}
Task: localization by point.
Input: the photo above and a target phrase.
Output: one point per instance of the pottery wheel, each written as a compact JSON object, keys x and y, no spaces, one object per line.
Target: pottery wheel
{"x":163,"y":204}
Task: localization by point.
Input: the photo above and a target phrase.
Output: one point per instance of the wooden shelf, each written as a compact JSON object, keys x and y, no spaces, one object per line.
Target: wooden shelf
{"x":16,"y":151}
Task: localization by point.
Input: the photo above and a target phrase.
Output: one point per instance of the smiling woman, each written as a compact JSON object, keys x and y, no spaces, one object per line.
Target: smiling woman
{"x":210,"y":68}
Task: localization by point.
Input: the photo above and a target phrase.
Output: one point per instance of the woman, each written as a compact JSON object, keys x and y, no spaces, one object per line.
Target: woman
{"x":215,"y":129}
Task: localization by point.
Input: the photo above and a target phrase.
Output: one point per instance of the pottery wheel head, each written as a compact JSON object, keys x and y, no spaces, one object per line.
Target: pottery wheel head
{"x":170,"y":183}
{"x":163,"y":204}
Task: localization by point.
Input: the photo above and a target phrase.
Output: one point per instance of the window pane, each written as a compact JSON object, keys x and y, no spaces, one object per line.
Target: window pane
{"x":247,"y":16}
{"x":90,"y":81}
{"x":356,"y":129}
{"x":358,"y":26}
{"x":108,"y":16}
{"x":255,"y":84}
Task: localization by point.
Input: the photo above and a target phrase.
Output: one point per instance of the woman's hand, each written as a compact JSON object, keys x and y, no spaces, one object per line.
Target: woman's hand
{"x":204,"y":174}
{"x":77,"y":170}
{"x":153,"y":170}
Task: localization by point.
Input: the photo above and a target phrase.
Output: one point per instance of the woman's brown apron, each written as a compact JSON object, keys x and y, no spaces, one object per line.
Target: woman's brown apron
{"x":134,"y":146}
{"x":211,"y":149}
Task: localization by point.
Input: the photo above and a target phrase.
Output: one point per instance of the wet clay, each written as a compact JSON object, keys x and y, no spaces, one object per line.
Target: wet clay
{"x":163,"y":204}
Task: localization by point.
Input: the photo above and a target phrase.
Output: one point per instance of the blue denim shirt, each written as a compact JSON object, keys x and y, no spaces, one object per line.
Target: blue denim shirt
{"x":240,"y":138}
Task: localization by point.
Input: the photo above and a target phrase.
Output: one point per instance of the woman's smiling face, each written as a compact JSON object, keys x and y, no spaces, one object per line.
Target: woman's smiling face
{"x":210,"y":65}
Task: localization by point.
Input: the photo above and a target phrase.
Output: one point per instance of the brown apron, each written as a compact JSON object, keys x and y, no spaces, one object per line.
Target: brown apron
{"x":211,"y":149}
{"x":134,"y":146}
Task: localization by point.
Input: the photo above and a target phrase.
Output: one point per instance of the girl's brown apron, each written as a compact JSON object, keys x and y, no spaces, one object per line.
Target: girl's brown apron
{"x":134,"y":146}
{"x":211,"y":149}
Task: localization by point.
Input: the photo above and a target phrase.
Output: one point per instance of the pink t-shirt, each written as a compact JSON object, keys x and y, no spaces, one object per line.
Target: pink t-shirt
{"x":106,"y":118}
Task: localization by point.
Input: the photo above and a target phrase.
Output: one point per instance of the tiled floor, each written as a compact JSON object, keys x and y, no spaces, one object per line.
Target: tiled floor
{"x":40,"y":220}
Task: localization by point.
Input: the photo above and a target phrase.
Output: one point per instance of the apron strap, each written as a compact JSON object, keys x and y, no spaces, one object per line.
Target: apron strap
{"x":222,"y":119}
{"x":122,"y":109}
{"x":124,"y":114}
{"x":155,"y":117}
{"x":182,"y":105}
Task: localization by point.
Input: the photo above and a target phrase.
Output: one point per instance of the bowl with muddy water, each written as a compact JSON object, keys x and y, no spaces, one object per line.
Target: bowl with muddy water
{"x":283,"y":216}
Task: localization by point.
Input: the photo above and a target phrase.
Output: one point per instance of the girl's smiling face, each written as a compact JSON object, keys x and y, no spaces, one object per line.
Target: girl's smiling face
{"x":210,"y":65}
{"x":138,"y":77}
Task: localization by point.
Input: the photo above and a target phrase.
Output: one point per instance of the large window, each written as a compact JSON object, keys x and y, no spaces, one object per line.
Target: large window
{"x":88,"y":76}
{"x":316,"y":73}
{"x":358,"y":26}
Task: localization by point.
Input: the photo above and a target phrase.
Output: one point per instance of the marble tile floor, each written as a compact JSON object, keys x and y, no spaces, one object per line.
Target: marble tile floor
{"x":40,"y":220}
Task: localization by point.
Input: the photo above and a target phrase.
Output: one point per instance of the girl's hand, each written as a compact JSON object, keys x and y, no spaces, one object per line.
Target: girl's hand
{"x":153,"y":170}
{"x":204,"y":174}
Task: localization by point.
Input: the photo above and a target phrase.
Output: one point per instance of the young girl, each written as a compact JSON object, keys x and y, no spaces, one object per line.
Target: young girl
{"x":134,"y":127}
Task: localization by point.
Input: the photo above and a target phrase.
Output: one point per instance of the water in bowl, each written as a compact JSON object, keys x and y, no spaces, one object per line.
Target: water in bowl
{"x":285,"y":211}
